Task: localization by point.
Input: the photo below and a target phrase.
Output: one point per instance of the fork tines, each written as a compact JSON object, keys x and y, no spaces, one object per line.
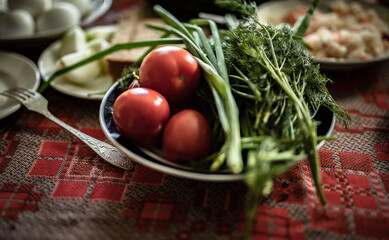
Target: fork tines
{"x":18,"y":93}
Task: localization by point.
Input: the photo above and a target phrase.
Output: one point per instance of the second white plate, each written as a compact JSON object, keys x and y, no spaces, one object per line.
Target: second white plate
{"x":15,"y":71}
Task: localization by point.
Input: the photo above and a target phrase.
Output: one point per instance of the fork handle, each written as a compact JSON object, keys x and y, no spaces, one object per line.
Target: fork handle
{"x":104,"y":150}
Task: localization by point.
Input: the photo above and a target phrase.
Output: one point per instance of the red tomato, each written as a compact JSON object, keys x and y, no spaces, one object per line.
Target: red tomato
{"x":140,"y":114}
{"x":187,"y":136}
{"x":171,"y":71}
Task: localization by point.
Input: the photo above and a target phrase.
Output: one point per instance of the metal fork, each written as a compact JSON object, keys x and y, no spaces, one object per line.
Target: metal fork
{"x":34,"y":101}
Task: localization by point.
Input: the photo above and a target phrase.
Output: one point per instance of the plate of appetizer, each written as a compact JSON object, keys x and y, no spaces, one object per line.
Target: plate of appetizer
{"x":342,"y":34}
{"x":90,"y":81}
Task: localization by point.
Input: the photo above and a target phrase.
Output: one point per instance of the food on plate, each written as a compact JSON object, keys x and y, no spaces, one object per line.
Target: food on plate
{"x":172,"y":71}
{"x":349,"y":31}
{"x":76,"y":46}
{"x":187,"y":137}
{"x":105,"y":32}
{"x":74,"y":40}
{"x":131,"y":28}
{"x":140,"y":115}
{"x":92,"y":70}
{"x":29,"y":17}
{"x":16,"y":22}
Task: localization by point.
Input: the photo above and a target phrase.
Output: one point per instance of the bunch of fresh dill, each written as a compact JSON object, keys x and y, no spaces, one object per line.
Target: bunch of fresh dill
{"x":278,"y":88}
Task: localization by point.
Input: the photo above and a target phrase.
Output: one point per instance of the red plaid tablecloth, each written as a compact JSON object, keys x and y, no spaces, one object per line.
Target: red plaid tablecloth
{"x":53,"y":187}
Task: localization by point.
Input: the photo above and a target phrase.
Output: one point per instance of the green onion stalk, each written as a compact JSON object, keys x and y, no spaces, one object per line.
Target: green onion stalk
{"x":97,"y":56}
{"x":216,"y":75}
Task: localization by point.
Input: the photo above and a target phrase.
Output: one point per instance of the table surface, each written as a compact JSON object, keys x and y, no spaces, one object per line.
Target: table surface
{"x":53,"y":187}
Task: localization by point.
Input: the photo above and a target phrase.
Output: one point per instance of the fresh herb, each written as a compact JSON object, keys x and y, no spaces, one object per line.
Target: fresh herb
{"x":282,"y":88}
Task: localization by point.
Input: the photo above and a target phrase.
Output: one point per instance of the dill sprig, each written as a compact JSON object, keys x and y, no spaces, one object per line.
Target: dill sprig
{"x":281,"y":88}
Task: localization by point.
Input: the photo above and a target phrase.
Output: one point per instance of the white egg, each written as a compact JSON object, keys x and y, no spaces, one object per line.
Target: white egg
{"x":61,"y":15}
{"x":3,"y":5}
{"x":17,"y":23}
{"x":85,"y":6}
{"x":34,"y":7}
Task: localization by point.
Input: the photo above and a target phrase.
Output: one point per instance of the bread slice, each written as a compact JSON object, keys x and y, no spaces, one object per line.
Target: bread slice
{"x":131,"y":28}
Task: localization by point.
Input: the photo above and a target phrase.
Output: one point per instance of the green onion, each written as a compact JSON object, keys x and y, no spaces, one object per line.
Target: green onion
{"x":101,"y":54}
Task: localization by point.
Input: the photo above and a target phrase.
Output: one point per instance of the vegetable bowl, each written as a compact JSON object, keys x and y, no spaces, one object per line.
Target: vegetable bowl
{"x":154,"y":159}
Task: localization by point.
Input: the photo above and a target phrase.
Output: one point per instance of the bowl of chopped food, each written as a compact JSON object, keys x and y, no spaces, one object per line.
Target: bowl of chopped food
{"x":342,"y":34}
{"x":37,"y":23}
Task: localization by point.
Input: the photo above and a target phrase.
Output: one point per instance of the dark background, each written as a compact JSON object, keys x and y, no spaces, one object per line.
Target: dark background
{"x":190,"y":9}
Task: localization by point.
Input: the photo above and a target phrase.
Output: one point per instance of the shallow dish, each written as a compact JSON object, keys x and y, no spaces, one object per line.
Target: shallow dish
{"x":42,"y":39}
{"x":15,"y":71}
{"x":93,"y":90}
{"x":273,"y":11}
{"x":150,"y":157}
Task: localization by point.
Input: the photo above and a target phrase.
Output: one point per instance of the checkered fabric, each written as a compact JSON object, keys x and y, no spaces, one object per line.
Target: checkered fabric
{"x":53,"y":187}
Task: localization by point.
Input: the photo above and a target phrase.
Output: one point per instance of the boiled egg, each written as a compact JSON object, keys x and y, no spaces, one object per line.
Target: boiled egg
{"x":3,"y":5}
{"x":61,"y":15}
{"x":34,"y":7}
{"x":16,"y":23}
{"x":85,"y":6}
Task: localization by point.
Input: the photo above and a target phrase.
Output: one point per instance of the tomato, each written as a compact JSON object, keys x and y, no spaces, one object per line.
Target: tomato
{"x":171,"y":71}
{"x":187,"y":136}
{"x":140,"y":114}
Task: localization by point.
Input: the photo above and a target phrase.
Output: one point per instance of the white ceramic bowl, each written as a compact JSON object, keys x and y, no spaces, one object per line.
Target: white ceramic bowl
{"x":15,"y":71}
{"x":44,"y":38}
{"x":151,"y":159}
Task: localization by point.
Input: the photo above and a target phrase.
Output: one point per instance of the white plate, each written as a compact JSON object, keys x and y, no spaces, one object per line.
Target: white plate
{"x":42,"y":39}
{"x":47,"y":65}
{"x":273,"y":11}
{"x":15,"y":71}
{"x":152,"y":157}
